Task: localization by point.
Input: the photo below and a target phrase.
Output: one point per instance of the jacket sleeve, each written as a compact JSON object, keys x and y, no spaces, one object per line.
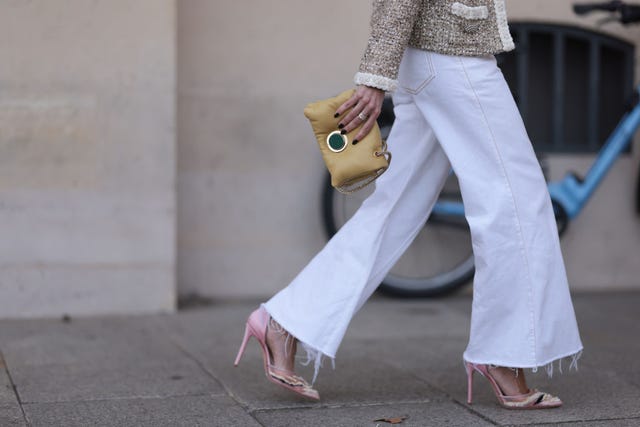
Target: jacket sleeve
{"x":392,"y":22}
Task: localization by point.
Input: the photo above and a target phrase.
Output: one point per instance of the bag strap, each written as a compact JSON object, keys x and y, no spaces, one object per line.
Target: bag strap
{"x":384,"y":152}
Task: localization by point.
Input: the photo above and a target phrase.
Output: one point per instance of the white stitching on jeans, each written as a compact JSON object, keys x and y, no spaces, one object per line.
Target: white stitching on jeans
{"x":429,"y":78}
{"x":515,"y":208}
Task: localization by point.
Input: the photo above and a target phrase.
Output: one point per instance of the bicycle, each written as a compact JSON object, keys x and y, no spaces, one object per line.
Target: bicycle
{"x":440,"y":260}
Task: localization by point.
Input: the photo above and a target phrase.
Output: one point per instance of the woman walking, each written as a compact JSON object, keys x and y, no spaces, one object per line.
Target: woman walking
{"x":453,"y":110}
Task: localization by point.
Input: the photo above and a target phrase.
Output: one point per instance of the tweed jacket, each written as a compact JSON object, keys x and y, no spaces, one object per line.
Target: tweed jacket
{"x":466,"y":27}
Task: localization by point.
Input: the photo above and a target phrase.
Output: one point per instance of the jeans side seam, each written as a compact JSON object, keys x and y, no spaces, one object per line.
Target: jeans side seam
{"x":523,"y":249}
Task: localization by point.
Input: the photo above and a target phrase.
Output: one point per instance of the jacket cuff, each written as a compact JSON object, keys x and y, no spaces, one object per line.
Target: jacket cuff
{"x":373,"y":80}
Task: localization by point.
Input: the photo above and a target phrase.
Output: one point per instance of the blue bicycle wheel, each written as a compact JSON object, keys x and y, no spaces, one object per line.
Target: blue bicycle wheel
{"x":439,"y":260}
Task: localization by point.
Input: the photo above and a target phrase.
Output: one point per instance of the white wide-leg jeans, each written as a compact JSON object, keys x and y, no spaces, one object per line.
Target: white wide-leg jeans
{"x":455,"y":112}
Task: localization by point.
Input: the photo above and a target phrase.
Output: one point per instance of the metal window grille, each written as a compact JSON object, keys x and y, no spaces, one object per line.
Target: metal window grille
{"x":570,"y":84}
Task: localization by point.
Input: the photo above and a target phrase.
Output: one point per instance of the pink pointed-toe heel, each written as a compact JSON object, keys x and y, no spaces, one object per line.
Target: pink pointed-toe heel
{"x":534,"y":399}
{"x":257,"y":325}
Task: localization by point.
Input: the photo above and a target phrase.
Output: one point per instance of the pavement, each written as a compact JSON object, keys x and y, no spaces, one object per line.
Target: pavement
{"x":400,"y":358}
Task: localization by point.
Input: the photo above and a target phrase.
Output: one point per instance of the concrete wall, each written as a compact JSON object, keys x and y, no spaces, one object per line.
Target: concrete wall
{"x":249,"y":175}
{"x":89,"y":165}
{"x":87,"y":157}
{"x":248,"y":171}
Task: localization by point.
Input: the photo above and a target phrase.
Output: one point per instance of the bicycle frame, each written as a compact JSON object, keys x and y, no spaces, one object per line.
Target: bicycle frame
{"x":572,"y":192}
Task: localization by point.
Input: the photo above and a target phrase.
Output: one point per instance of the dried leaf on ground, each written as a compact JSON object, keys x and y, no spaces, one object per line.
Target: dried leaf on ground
{"x":392,"y":420}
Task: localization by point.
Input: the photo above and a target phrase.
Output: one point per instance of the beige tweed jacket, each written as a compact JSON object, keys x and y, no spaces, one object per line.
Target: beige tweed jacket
{"x":466,"y":27}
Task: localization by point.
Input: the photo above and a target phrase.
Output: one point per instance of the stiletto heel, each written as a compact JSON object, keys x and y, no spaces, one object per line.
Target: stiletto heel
{"x":469,"y":383}
{"x":245,"y":340}
{"x":533,"y":399}
{"x":256,"y":326}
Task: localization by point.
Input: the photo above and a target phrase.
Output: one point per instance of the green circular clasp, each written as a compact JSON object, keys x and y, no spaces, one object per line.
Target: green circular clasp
{"x":336,"y":141}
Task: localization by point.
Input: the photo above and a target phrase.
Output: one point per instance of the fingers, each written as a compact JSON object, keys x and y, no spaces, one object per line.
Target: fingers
{"x":365,"y":104}
{"x":366,"y":128}
{"x":348,"y":104}
{"x":351,"y":121}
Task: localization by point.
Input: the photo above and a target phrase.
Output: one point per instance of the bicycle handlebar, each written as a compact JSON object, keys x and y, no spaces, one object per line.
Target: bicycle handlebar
{"x":584,"y":8}
{"x":627,"y":13}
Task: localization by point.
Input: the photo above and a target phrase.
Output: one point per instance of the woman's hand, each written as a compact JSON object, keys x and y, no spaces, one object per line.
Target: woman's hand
{"x":367,"y":104}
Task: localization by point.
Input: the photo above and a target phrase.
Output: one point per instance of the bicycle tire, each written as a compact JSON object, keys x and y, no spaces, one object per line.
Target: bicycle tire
{"x":562,"y":218}
{"x":424,"y":285}
{"x":638,"y":193}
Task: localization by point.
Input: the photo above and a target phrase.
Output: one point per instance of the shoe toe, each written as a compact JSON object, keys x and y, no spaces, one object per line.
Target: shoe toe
{"x":312,"y":393}
{"x":547,"y":400}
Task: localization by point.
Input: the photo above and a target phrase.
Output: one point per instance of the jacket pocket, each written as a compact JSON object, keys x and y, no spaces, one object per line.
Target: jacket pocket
{"x":416,"y":70}
{"x":469,"y":18}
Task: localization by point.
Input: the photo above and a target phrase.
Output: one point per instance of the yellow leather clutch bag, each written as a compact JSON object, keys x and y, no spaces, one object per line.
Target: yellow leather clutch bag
{"x":352,"y":166}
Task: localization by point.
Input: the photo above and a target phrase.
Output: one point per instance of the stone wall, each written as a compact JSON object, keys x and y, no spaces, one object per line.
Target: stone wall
{"x":91,"y":110}
{"x":87,"y":157}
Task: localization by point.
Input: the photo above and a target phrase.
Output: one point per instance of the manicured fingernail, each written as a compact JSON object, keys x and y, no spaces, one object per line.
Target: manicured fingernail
{"x":355,"y":141}
{"x":340,"y":125}
{"x":336,"y":115}
{"x":343,"y":131}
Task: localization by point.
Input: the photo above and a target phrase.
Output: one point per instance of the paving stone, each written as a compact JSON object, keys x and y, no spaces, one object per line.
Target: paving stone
{"x":11,"y":416}
{"x":7,"y":395}
{"x":377,"y":320}
{"x":587,"y":395}
{"x":360,"y":378}
{"x":357,"y":378}
{"x":582,"y":391}
{"x":404,"y":318}
{"x":102,"y":342}
{"x":202,"y":330}
{"x":11,"y":329}
{"x":173,"y":411}
{"x":350,"y":380}
{"x":422,"y":414}
{"x":51,"y":383}
{"x":622,"y":306}
{"x":623,"y":364}
{"x":633,"y":422}
{"x":437,"y":361}
{"x":606,"y":333}
{"x":397,"y":353}
{"x":10,"y":413}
